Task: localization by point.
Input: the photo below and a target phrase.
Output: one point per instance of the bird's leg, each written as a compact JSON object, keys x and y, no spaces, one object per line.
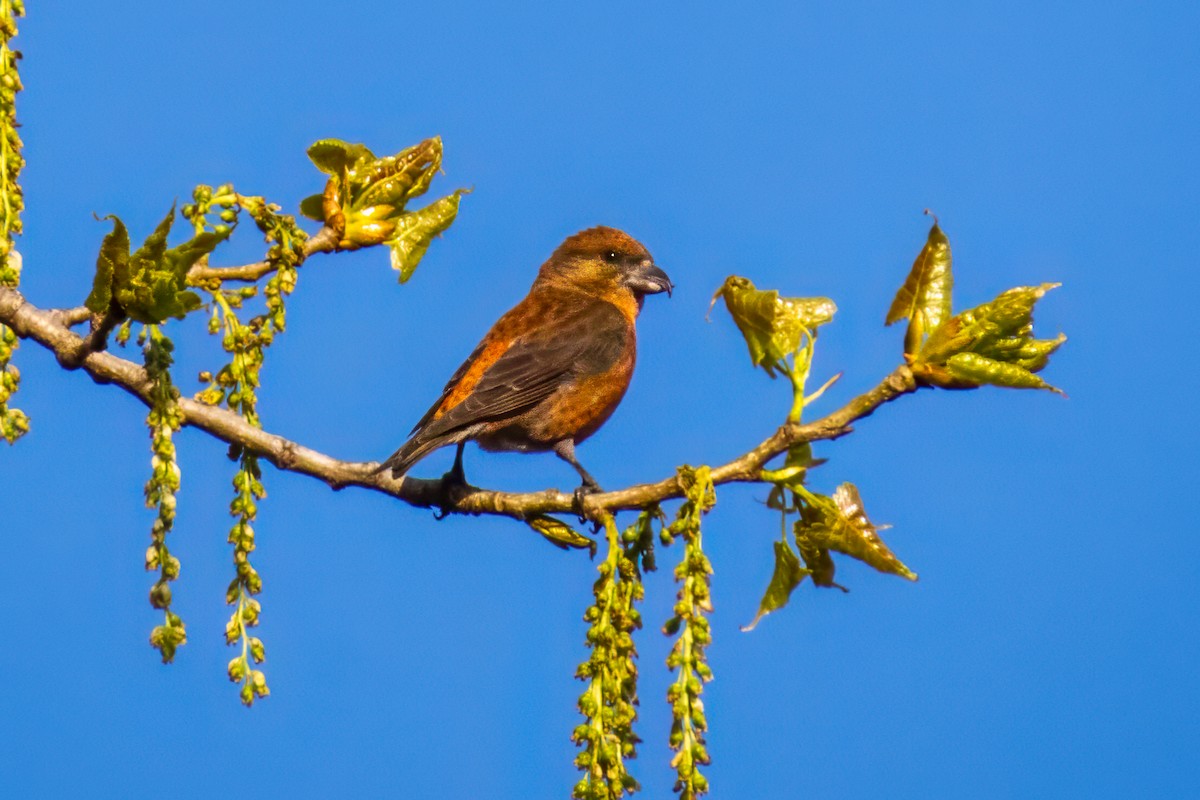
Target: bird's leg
{"x":566,"y":451}
{"x":456,"y":475}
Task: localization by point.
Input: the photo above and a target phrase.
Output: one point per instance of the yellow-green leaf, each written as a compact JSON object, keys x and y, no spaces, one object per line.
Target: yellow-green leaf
{"x":1034,"y":354}
{"x":334,"y":156}
{"x":924,"y":299}
{"x":841,"y":524}
{"x":113,"y":258}
{"x":816,"y":559}
{"x":560,"y":534}
{"x":795,"y":466}
{"x":150,"y":285}
{"x":772,"y":326}
{"x":786,"y":576}
{"x":415,"y":231}
{"x":313,"y":207}
{"x":394,"y":180}
{"x":977,"y":370}
{"x":985,"y":328}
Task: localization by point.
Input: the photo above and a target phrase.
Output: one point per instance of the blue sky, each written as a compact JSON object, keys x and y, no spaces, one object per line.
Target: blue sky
{"x":1049,"y":648}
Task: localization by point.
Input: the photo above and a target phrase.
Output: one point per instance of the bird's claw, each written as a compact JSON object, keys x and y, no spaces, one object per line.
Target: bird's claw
{"x":586,"y":488}
{"x":454,"y":484}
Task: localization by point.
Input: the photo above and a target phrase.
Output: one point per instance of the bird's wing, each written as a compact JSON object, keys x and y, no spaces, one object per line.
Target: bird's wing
{"x":451,"y":385}
{"x":586,"y":339}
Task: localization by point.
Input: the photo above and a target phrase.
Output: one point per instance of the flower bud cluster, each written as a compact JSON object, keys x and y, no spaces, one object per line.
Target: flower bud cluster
{"x":13,"y":422}
{"x":609,"y":702}
{"x":248,"y":490}
{"x":235,"y":385}
{"x":692,"y":633}
{"x":163,"y":420}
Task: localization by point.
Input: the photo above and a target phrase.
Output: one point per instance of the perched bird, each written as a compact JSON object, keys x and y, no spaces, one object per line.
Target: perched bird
{"x":554,"y":367}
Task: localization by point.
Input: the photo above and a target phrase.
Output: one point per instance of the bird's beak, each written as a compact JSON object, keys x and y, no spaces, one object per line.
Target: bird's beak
{"x":647,"y":278}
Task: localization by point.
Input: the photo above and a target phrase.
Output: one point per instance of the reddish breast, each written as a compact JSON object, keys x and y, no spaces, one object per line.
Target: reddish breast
{"x":585,"y":404}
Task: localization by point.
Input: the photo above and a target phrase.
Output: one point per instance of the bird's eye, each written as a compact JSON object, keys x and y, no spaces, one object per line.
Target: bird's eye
{"x":611,"y":256}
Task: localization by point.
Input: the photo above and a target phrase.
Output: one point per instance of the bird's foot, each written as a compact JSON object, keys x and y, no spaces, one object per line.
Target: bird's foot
{"x":586,"y":488}
{"x":453,"y":486}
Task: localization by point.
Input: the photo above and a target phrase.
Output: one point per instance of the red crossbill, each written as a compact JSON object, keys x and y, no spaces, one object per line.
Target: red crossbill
{"x":554,"y":367}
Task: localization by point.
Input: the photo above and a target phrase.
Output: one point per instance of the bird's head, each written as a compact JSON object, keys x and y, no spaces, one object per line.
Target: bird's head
{"x":605,"y":262}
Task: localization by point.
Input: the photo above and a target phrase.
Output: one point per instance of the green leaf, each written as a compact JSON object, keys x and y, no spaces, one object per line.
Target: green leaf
{"x":152,"y":286}
{"x":181,"y":258}
{"x":1035,"y":354}
{"x":313,"y":207}
{"x":772,"y":326}
{"x":977,"y":370}
{"x":113,"y":258}
{"x":795,"y":467}
{"x":924,"y":299}
{"x":394,"y":180}
{"x":334,"y":156}
{"x":415,"y":231}
{"x":841,"y":524}
{"x":786,"y":577}
{"x":816,"y":559}
{"x":151,"y":253}
{"x":560,"y":534}
{"x":985,"y":328}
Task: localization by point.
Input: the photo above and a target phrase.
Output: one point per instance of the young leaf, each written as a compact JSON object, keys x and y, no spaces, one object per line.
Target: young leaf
{"x":394,"y":180}
{"x":984,"y":328}
{"x":1034,"y":354}
{"x":924,"y":299}
{"x":976,"y":370}
{"x":113,"y":258}
{"x":787,"y":576}
{"x":334,"y":156}
{"x":150,"y":286}
{"x":841,"y":524}
{"x":313,"y":207}
{"x":816,"y":558}
{"x":415,"y":231}
{"x":560,"y":534}
{"x":772,"y":325}
{"x":181,"y":258}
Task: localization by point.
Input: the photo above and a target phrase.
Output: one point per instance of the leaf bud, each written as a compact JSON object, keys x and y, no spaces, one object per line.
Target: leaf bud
{"x":160,"y":595}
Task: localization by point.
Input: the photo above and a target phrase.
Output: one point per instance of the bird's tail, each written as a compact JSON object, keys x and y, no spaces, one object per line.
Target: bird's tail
{"x":416,"y":448}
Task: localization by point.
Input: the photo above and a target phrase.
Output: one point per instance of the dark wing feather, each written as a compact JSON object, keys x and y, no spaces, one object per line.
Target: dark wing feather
{"x":449,"y":387}
{"x":587,"y":341}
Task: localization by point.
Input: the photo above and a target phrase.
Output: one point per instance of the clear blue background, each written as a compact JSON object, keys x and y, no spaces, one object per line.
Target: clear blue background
{"x":1050,"y":647}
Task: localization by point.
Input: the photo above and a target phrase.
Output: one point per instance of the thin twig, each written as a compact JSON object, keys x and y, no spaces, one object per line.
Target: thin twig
{"x":47,"y":328}
{"x":324,"y":241}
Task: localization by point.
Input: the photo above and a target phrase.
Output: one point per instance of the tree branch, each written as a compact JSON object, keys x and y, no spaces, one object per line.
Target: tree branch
{"x":323,"y":241}
{"x":48,"y":328}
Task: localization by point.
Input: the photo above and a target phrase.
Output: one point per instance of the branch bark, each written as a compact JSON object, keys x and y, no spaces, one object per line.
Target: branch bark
{"x":323,"y":241}
{"x":49,"y":329}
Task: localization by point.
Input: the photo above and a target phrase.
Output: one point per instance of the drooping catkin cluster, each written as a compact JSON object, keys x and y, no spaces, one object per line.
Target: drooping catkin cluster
{"x":235,"y":385}
{"x":163,"y":420}
{"x":690,"y":627}
{"x":609,"y":703}
{"x":245,"y":345}
{"x":13,"y":422}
